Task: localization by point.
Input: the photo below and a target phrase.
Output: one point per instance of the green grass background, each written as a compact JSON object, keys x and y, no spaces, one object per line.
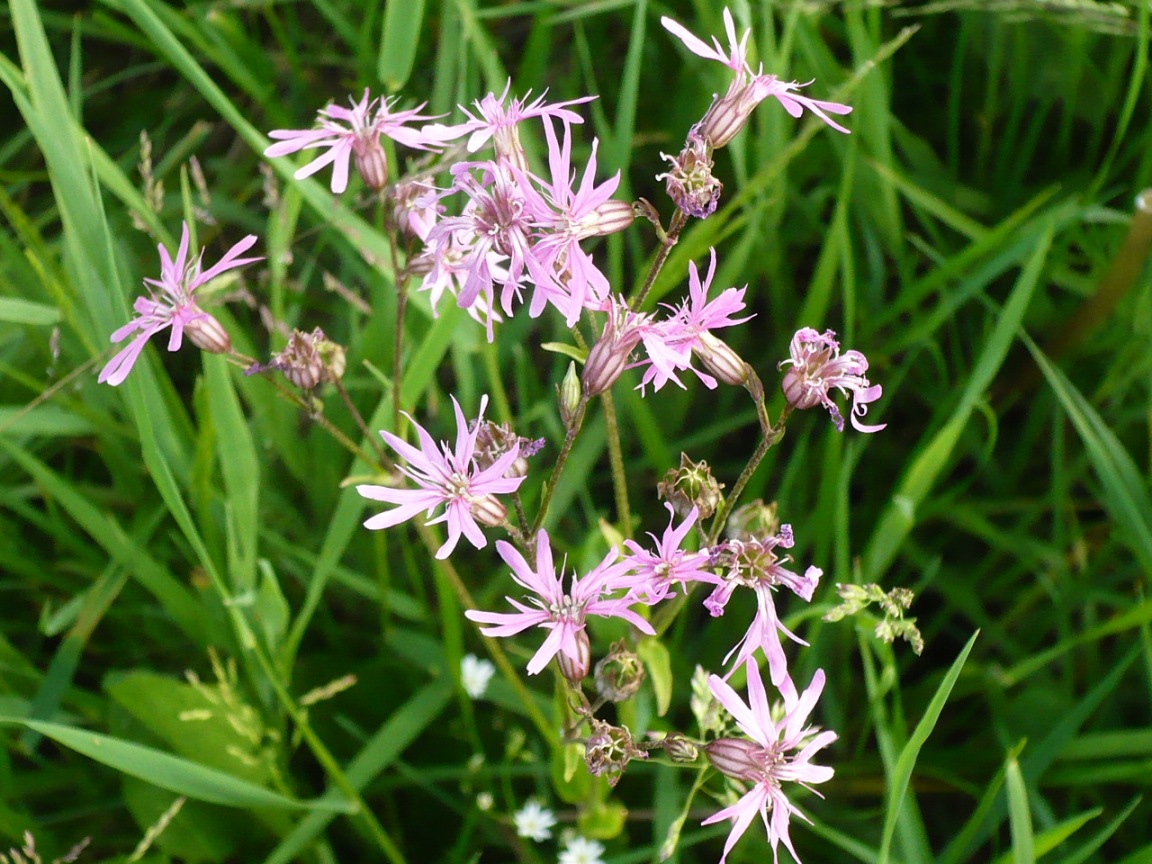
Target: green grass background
{"x":977,"y":211}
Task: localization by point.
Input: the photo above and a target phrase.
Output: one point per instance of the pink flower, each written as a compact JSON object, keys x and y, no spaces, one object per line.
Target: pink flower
{"x":497,"y":122}
{"x":565,"y":218}
{"x":654,"y":574}
{"x":817,"y":367}
{"x":728,"y":114}
{"x":670,"y":342}
{"x":171,"y":305}
{"x":562,"y":613}
{"x":770,"y":758}
{"x":450,"y":477}
{"x":737,"y":57}
{"x":754,"y":564}
{"x":355,"y":131}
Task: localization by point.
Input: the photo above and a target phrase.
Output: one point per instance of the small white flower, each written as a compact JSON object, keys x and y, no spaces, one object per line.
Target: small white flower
{"x":475,"y":675}
{"x":582,"y":851}
{"x":534,"y":821}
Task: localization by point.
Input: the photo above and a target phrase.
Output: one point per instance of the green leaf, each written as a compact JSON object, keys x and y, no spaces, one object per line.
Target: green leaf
{"x":1020,"y":816}
{"x":403,"y":20}
{"x":602,"y":822}
{"x":902,"y":773}
{"x":16,"y":311}
{"x":170,"y":772}
{"x":656,"y":658}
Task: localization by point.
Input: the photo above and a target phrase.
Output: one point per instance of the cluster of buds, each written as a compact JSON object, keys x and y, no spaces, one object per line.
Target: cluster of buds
{"x":691,"y":485}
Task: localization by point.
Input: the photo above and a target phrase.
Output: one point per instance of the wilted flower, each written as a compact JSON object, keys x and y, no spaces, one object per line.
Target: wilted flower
{"x":691,"y":486}
{"x":619,"y":674}
{"x":817,"y":367}
{"x":769,"y":759}
{"x":562,"y":613}
{"x":534,"y":821}
{"x":609,"y":749}
{"x":446,"y":476}
{"x":353,"y":132}
{"x":689,"y":179}
{"x":171,"y":304}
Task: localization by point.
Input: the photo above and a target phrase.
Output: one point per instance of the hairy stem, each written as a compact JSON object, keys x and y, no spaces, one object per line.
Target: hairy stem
{"x":558,"y":468}
{"x":679,"y":220}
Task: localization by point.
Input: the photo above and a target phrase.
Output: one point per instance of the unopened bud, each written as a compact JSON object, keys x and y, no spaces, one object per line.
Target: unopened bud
{"x":207,"y":334}
{"x":575,"y":669}
{"x":372,"y":163}
{"x":680,"y":748}
{"x":488,"y":510}
{"x":691,"y":485}
{"x":720,"y":360}
{"x":619,"y":674}
{"x":735,"y":757}
{"x":570,"y":393}
{"x":606,"y":362}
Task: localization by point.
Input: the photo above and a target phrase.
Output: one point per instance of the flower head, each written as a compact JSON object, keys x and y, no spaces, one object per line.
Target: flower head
{"x":778,"y":752}
{"x":534,"y":821}
{"x":755,"y":564}
{"x":560,"y":612}
{"x":671,"y":342}
{"x":728,"y":113}
{"x":818,"y":366}
{"x":450,"y":477}
{"x":171,"y":304}
{"x":496,"y":121}
{"x":353,"y":132}
{"x":655,"y":573}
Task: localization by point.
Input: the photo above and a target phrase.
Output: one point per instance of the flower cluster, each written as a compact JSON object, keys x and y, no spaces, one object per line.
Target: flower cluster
{"x":498,"y":233}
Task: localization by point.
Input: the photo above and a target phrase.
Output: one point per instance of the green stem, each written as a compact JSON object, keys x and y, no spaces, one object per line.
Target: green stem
{"x":616,"y":458}
{"x":679,"y":220}
{"x":558,"y":468}
{"x":767,"y":441}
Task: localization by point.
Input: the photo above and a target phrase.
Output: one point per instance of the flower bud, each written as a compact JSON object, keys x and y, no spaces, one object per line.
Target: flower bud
{"x":689,"y":180}
{"x":310,"y":358}
{"x":619,"y":674}
{"x":738,"y":758}
{"x":570,"y":394}
{"x":720,"y":360}
{"x":691,"y":485}
{"x":576,"y":669}
{"x":371,"y":162}
{"x":680,"y":748}
{"x":487,"y":510}
{"x":207,"y":334}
